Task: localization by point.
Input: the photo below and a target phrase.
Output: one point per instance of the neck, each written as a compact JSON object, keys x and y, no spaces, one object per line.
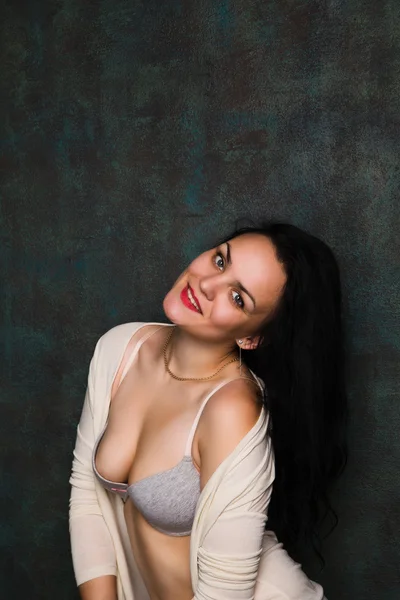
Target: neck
{"x":190,"y":356}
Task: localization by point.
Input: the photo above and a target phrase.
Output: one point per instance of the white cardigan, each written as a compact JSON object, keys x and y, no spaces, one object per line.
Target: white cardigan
{"x":232,"y":557}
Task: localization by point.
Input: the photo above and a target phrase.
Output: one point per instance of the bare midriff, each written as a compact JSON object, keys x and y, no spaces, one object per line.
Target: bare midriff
{"x":162,"y":560}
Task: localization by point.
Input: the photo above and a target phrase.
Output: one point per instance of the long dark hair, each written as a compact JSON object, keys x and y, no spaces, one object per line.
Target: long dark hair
{"x":300,"y":357}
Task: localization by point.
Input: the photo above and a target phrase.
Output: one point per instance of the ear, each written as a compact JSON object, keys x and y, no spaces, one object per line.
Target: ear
{"x":248,"y":343}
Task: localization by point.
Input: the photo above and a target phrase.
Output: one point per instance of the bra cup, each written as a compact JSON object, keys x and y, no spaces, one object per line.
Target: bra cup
{"x":168,"y":500}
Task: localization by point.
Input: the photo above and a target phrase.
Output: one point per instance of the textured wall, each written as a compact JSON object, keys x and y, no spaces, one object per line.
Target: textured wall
{"x":133,"y":134}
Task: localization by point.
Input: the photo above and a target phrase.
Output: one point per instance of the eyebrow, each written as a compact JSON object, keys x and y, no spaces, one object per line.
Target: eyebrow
{"x":229,"y":260}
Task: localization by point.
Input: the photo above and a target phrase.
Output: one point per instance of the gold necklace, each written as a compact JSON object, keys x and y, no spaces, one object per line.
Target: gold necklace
{"x":166,"y":362}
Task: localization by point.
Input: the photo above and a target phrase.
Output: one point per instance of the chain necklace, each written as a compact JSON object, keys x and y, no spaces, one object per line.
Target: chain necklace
{"x":166,"y":362}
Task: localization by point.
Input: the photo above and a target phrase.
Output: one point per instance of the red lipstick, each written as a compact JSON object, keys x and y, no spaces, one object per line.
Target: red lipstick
{"x":185,"y":295}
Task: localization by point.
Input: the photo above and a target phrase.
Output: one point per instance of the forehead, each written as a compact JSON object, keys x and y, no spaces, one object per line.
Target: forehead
{"x":255,"y":265}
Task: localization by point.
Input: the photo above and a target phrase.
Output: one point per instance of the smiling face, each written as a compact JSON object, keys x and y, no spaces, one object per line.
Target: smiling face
{"x":227,"y":292}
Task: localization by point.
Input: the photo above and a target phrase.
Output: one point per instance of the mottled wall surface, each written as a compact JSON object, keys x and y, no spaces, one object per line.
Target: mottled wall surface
{"x":132,"y":135}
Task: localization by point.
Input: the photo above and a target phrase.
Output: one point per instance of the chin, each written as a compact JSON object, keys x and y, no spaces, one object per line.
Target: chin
{"x":176,"y":312}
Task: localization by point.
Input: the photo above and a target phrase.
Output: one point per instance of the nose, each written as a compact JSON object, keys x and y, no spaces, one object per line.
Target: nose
{"x":208,"y":286}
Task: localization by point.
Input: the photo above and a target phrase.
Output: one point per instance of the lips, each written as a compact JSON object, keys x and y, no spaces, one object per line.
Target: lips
{"x":190,"y":300}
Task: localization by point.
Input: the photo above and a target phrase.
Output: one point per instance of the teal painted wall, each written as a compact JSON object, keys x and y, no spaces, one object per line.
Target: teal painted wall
{"x":132,"y":135}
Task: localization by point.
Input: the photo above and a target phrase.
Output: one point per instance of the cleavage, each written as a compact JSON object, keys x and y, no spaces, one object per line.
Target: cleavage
{"x":146,"y":432}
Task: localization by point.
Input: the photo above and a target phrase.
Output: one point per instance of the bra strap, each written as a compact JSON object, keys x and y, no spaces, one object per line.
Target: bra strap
{"x":196,"y":421}
{"x":128,"y":360}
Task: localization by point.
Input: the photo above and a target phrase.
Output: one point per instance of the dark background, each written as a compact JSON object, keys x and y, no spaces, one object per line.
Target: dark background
{"x":133,"y":135}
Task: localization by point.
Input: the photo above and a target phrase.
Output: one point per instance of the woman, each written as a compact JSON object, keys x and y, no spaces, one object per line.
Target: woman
{"x":180,"y":443}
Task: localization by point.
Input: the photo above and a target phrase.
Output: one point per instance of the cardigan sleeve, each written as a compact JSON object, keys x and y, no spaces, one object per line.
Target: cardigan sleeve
{"x":229,"y":554}
{"x":237,"y":559}
{"x":280,"y":577}
{"x":92,"y":547}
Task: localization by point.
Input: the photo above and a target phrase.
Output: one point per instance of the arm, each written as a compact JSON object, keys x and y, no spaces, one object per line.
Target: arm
{"x":229,"y":555}
{"x":91,"y":544}
{"x":101,"y":588}
{"x":238,"y":559}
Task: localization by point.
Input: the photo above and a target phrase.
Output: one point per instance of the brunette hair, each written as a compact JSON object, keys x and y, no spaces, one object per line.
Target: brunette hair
{"x":300,"y":357}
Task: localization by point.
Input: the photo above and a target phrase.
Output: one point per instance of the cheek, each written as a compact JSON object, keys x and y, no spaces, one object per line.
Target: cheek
{"x":171,"y":308}
{"x":224,"y":314}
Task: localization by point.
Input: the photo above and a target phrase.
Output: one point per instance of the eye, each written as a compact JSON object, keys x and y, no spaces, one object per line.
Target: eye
{"x":219,"y":261}
{"x":237,"y":299}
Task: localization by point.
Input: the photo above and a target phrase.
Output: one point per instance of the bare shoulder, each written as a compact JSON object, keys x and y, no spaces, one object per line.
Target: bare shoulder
{"x":228,"y":416}
{"x":237,"y":403}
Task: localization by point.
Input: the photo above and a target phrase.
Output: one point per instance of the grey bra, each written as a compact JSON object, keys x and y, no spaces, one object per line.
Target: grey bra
{"x":167,"y":500}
